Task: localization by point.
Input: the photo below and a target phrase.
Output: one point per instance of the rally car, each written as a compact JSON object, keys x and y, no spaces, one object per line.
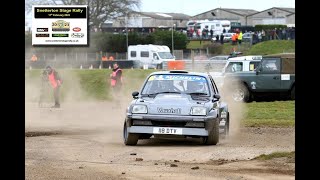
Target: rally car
{"x":177,"y":104}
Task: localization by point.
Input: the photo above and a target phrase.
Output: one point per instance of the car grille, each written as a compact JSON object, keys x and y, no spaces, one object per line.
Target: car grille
{"x":168,"y":123}
{"x":187,"y":124}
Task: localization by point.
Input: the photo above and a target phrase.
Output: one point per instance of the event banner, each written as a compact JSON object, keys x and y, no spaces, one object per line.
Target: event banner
{"x":59,"y":25}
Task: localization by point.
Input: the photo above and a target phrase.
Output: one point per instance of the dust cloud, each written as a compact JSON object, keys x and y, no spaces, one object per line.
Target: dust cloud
{"x":79,"y":112}
{"x":237,"y":110}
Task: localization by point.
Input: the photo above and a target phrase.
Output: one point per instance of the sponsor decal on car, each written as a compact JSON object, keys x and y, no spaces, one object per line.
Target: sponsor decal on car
{"x":169,"y":111}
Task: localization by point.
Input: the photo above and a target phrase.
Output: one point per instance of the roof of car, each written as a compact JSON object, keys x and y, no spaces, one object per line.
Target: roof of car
{"x":250,"y":58}
{"x":180,"y":72}
{"x":282,"y":55}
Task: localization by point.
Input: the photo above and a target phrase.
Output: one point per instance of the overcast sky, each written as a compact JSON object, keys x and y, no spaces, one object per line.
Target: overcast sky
{"x":194,"y":7}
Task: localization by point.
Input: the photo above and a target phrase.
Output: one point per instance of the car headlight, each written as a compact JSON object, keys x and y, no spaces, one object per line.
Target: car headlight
{"x":198,"y":111}
{"x":223,"y":114}
{"x":139,"y":109}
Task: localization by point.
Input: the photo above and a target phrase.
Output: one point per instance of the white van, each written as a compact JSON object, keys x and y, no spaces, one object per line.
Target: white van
{"x":150,"y":56}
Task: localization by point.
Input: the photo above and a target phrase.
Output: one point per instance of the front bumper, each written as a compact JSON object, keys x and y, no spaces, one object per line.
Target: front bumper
{"x":185,"y":131}
{"x":173,"y":120}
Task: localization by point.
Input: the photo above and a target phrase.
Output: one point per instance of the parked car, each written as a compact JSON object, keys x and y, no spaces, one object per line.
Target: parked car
{"x":236,"y":64}
{"x":246,"y":37}
{"x":226,"y":38}
{"x":219,"y":57}
{"x":176,"y":104}
{"x":274,"y":76}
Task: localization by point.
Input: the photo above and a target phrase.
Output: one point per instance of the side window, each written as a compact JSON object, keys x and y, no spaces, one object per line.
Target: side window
{"x":144,"y":54}
{"x":270,"y":66}
{"x":234,"y":67}
{"x":133,"y":54}
{"x":253,"y":65}
{"x":288,"y":66}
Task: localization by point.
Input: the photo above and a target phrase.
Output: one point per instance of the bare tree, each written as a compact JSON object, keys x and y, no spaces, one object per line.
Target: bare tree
{"x":99,"y":10}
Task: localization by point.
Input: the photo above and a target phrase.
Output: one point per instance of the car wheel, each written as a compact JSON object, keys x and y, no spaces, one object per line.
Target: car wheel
{"x":213,"y":137}
{"x":241,"y":94}
{"x":129,"y":138}
{"x":293,"y":93}
{"x":159,"y":66}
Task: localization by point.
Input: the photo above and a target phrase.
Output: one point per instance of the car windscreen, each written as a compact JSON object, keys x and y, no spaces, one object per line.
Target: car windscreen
{"x":165,"y":55}
{"x":176,"y":83}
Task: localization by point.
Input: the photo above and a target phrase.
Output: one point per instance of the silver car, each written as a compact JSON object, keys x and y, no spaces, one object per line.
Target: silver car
{"x":176,"y":104}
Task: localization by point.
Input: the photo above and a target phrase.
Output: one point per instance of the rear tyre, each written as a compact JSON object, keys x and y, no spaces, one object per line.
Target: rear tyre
{"x":213,"y":137}
{"x":130,"y":139}
{"x":293,"y":93}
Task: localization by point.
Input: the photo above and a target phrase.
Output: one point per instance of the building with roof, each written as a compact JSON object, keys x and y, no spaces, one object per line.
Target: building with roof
{"x":233,"y":15}
{"x":275,"y":15}
{"x":149,"y":20}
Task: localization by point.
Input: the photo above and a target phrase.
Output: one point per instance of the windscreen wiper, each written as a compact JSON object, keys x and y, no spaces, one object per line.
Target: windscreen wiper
{"x":197,"y":93}
{"x":154,"y":94}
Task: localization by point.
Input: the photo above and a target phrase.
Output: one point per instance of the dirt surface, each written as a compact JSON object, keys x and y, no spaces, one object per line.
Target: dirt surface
{"x":84,"y":141}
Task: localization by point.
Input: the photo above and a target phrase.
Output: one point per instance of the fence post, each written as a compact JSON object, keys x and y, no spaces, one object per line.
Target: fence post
{"x":192,"y":58}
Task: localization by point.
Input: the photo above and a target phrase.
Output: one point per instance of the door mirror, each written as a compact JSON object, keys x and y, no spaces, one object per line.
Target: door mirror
{"x":216,"y":97}
{"x":155,"y":58}
{"x":135,"y":94}
{"x":258,"y":69}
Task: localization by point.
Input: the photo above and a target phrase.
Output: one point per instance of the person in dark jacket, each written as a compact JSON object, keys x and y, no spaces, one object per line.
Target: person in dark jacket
{"x":221,"y":38}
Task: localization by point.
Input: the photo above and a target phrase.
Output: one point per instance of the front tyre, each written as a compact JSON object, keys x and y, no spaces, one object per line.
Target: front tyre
{"x":130,"y":139}
{"x":227,"y":125}
{"x":213,"y":137}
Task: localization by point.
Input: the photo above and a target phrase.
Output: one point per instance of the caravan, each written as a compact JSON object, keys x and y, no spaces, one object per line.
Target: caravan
{"x":149,"y":56}
{"x":216,"y":25}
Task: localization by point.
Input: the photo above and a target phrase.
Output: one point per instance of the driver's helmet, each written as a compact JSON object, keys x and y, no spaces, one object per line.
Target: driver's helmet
{"x":194,"y":86}
{"x":165,"y":84}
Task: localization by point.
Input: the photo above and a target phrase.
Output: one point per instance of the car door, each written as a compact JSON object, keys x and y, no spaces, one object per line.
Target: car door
{"x":155,"y":59}
{"x":268,"y":76}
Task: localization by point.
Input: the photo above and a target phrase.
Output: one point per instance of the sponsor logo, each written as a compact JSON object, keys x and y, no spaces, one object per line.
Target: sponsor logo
{"x":169,"y":111}
{"x":42,"y":35}
{"x":60,"y":35}
{"x":77,"y":35}
{"x":76,"y":29}
{"x":61,"y":25}
{"x":42,"y":29}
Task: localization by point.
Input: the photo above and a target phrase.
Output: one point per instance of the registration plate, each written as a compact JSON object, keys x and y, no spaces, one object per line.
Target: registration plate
{"x":167,"y":130}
